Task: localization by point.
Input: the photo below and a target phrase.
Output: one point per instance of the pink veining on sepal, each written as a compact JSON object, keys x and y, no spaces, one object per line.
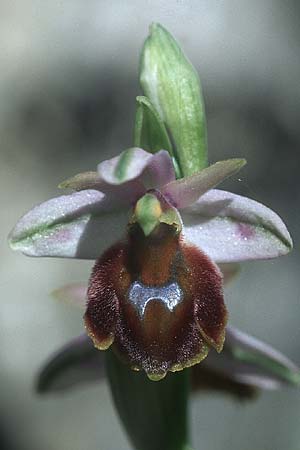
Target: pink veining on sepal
{"x":230,"y":228}
{"x":72,"y":226}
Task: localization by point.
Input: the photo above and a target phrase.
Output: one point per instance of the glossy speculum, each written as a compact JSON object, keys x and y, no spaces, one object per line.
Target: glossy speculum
{"x":140,"y":295}
{"x":158,"y":300}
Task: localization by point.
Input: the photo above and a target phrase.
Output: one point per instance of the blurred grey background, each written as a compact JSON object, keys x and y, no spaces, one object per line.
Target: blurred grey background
{"x":68,"y":81}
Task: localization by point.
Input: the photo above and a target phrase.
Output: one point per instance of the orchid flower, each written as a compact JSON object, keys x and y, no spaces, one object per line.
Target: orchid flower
{"x":155,"y":293}
{"x":165,"y":241}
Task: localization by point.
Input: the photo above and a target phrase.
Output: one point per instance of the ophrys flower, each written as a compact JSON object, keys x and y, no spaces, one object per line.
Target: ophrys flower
{"x":155,"y":293}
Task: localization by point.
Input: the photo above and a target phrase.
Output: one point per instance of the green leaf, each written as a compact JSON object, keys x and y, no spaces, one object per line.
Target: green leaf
{"x":172,"y":85}
{"x":154,"y":413}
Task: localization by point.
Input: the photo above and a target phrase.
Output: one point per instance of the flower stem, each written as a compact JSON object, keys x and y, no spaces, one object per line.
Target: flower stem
{"x":154,"y":414}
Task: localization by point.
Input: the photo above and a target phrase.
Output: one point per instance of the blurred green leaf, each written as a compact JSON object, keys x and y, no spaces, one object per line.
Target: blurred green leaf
{"x":275,"y":367}
{"x":154,"y":413}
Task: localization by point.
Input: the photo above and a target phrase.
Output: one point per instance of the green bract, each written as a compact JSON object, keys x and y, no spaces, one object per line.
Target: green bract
{"x":172,"y":84}
{"x":150,"y":132}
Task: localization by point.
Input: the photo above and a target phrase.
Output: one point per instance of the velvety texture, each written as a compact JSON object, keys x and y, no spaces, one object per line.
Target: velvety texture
{"x":162,"y":339}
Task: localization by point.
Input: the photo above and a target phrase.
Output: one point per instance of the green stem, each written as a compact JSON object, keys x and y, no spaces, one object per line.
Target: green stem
{"x":154,"y":414}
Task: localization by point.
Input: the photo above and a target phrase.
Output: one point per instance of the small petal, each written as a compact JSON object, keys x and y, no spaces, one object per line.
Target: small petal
{"x":74,"y":294}
{"x":126,"y":177}
{"x":228,"y":228}
{"x":81,"y":181}
{"x":186,"y":191}
{"x":77,"y":363}
{"x":152,"y":171}
{"x":80,"y":225}
{"x":249,"y":361}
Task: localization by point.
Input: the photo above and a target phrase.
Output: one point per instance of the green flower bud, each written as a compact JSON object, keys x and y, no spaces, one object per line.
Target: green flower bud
{"x":172,"y":85}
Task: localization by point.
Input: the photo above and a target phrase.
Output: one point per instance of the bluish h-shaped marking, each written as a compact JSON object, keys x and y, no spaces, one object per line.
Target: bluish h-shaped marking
{"x":140,"y":295}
